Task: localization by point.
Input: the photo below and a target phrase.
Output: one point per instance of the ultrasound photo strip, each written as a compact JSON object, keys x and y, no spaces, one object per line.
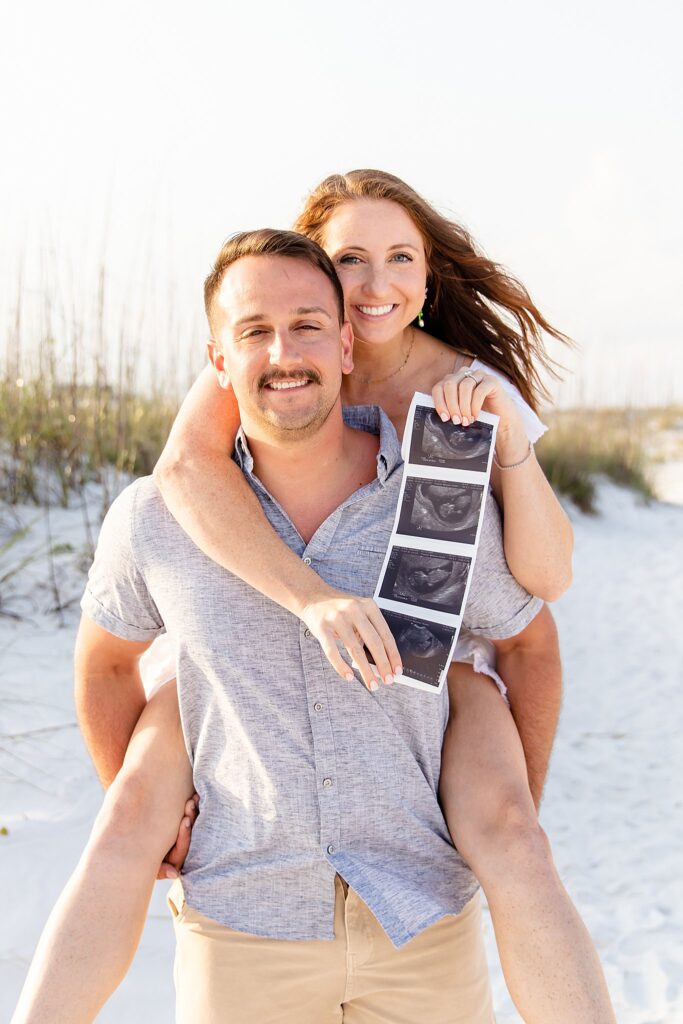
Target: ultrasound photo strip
{"x":425,"y":579}
{"x":435,"y":443}
{"x":425,"y":648}
{"x":441,"y":509}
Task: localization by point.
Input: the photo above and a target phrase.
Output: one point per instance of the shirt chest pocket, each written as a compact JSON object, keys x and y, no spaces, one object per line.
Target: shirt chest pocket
{"x":354,"y":570}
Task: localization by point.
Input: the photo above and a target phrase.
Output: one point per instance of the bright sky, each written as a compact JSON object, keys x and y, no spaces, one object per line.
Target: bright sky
{"x":140,"y":134}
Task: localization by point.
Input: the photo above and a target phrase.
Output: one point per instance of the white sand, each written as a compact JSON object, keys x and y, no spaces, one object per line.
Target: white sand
{"x":613,"y":804}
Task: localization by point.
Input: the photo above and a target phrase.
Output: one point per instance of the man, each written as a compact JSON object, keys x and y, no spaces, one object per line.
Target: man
{"x":321,"y":880}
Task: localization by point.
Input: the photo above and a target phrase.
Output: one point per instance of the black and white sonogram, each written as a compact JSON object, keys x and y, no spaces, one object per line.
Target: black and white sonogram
{"x":426,"y":578}
{"x":424,"y":646}
{"x":441,"y":510}
{"x":434,"y":443}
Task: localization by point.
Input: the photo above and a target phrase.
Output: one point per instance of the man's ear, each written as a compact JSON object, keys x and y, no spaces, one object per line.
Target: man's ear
{"x":347,"y":347}
{"x":217,"y":359}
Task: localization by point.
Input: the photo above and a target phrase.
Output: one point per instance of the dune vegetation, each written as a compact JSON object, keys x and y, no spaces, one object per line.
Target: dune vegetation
{"x":66,"y":420}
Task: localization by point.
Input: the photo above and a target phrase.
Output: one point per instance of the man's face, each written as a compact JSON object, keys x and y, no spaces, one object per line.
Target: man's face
{"x":276,"y":333}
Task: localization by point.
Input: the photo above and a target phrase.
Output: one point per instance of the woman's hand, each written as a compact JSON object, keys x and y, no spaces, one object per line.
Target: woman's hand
{"x":175,"y":858}
{"x":461,"y":396}
{"x":357,"y":623}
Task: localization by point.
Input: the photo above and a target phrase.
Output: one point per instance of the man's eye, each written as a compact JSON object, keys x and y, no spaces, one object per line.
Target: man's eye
{"x":308,"y":327}
{"x":254,"y":333}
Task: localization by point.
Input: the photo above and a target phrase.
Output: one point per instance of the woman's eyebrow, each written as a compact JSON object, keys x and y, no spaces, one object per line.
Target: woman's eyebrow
{"x":359,"y":248}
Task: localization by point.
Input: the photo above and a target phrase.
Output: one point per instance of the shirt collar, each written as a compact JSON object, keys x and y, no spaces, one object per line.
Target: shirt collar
{"x":362,"y":417}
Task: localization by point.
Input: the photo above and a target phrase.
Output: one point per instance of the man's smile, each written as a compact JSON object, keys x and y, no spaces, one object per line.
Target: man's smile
{"x":282,"y":385}
{"x":298,"y":380}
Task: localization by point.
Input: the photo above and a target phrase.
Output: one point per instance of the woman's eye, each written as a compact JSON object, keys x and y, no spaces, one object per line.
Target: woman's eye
{"x":402,"y":257}
{"x":349,"y":260}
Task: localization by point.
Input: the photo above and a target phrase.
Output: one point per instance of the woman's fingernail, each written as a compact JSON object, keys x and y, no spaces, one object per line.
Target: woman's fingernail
{"x":444,"y":416}
{"x":186,"y":822}
{"x":374,"y":685}
{"x":388,"y":680}
{"x":349,"y":677}
{"x":465,"y":421}
{"x":456,"y":420}
{"x":398,"y":670}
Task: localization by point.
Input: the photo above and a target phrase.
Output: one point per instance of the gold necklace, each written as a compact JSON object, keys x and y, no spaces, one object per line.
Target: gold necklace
{"x":381,"y":380}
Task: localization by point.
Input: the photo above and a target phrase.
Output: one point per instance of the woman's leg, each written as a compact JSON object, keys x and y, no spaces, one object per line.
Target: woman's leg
{"x":92,"y":934}
{"x":550,"y":964}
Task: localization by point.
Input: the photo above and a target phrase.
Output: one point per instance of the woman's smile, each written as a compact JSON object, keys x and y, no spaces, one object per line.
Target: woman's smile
{"x":376,"y":313}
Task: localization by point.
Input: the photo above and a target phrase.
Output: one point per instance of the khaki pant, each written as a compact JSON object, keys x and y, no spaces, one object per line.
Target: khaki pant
{"x":228,"y":977}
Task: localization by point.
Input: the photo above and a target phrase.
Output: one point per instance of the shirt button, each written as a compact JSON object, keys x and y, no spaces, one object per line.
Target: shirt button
{"x":307,"y":633}
{"x":330,"y":849}
{"x":307,"y":560}
{"x":327,"y":783}
{"x":318,"y":706}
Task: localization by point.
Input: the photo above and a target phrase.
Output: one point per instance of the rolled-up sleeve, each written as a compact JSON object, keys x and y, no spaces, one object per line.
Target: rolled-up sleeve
{"x":498,"y":607}
{"x":116,"y":596}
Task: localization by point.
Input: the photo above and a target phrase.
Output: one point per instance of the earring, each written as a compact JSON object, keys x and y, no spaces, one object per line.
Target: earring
{"x":420,"y":315}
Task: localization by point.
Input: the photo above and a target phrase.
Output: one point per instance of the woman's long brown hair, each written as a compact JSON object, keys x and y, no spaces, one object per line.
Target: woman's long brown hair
{"x":473,"y":304}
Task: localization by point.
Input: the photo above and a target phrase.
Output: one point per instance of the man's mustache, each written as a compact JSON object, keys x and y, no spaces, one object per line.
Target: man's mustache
{"x":275,"y":375}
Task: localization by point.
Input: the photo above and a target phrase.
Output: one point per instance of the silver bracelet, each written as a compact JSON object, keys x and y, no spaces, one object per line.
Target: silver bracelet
{"x":514,"y":464}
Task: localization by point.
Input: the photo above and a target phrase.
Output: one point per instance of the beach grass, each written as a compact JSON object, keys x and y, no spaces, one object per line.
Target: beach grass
{"x":71,"y":414}
{"x":86,"y":395}
{"x":72,"y":433}
{"x":586,"y":444}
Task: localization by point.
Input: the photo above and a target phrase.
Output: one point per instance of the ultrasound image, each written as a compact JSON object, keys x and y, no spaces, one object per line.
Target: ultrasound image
{"x":424,"y":578}
{"x":424,"y":646}
{"x":441,"y":510}
{"x":435,"y":443}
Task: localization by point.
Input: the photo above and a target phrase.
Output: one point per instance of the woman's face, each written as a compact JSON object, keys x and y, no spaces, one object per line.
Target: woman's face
{"x":379,"y":255}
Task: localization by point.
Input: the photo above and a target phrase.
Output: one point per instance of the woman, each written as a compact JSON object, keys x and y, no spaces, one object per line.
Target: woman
{"x":400,"y":262}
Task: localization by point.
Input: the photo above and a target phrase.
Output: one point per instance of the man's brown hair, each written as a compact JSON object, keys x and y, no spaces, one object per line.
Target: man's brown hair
{"x":269,"y":242}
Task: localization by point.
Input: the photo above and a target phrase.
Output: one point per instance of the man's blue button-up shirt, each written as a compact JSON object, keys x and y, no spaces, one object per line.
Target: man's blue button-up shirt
{"x":301,"y":775}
